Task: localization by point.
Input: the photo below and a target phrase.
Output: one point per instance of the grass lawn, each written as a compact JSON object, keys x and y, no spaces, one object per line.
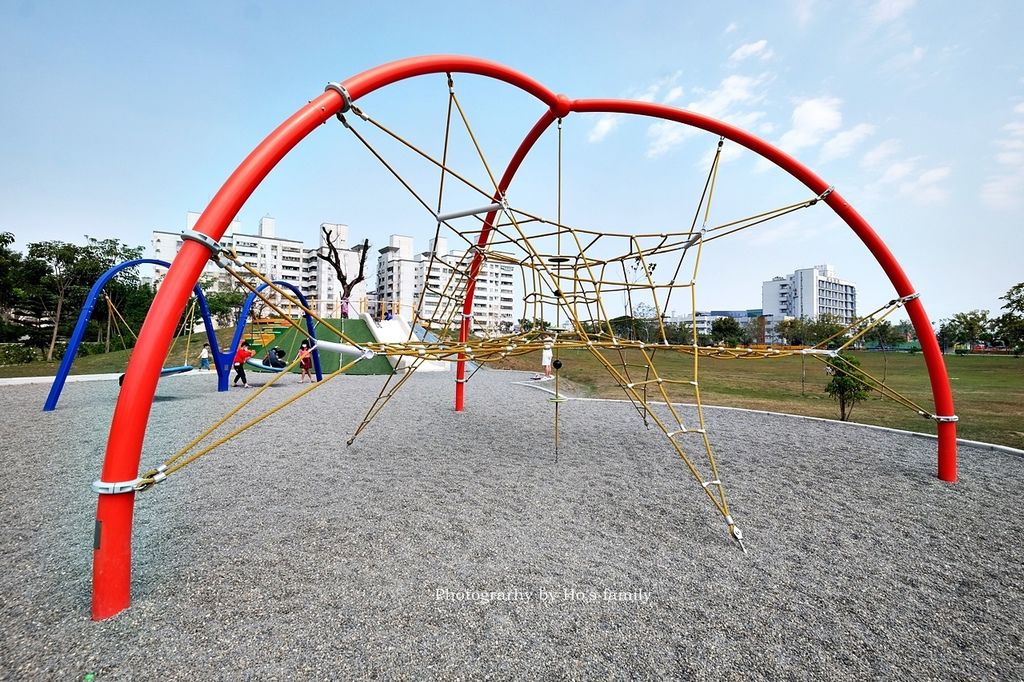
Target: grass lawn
{"x":988,"y":392}
{"x":117,"y":361}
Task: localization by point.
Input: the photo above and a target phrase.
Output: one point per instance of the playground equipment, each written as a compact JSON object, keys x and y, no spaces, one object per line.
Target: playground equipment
{"x":256,"y":292}
{"x":86,"y":314}
{"x":568,"y":273}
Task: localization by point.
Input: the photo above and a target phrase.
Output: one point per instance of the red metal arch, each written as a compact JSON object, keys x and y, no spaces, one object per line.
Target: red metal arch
{"x":112,"y":553}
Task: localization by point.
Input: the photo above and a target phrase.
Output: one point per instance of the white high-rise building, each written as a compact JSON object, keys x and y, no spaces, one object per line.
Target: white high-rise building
{"x":395,"y":276}
{"x":809,"y":293}
{"x":277,"y":258}
{"x":442,"y":272}
{"x":165,"y":246}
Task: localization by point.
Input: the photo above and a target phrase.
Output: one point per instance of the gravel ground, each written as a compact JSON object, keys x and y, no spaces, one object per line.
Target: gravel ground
{"x":287,"y":555}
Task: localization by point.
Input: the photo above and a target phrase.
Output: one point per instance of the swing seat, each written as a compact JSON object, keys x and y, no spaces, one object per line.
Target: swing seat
{"x":166,"y":371}
{"x":260,"y":367}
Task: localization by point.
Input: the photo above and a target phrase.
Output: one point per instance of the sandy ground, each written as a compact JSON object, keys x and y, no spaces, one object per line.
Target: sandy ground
{"x":445,"y":545}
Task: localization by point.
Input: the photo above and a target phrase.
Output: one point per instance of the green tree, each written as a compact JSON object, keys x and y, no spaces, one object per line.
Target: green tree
{"x":728,"y":330}
{"x":905,"y":330}
{"x":68,"y":272}
{"x":885,"y":334}
{"x":10,"y":262}
{"x":225,"y":306}
{"x":63,"y":281}
{"x":847,"y":385}
{"x":971,"y":327}
{"x":1009,"y":326}
{"x":947,"y":335}
{"x":756,"y":329}
{"x":825,"y":327}
{"x":794,"y":331}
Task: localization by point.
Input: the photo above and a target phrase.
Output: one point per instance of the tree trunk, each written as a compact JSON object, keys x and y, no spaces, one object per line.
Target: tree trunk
{"x":56,"y":324}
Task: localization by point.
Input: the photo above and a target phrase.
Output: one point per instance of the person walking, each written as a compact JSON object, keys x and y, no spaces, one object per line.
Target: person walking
{"x":305,"y":362}
{"x":241,"y":356}
{"x":204,"y":357}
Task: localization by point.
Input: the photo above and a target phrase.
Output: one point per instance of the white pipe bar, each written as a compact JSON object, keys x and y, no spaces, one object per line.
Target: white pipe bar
{"x":442,"y":217}
{"x":344,"y":348}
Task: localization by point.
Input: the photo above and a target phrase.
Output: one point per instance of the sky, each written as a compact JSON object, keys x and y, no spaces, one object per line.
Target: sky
{"x":116,"y":118}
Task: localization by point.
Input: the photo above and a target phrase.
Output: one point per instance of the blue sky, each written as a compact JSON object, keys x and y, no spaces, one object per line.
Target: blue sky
{"x":118,"y":117}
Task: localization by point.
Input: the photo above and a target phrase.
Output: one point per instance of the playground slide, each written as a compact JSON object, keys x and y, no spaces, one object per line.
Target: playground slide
{"x":396,"y":330}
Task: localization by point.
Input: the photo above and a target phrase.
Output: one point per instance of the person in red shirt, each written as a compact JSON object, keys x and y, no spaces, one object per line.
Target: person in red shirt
{"x":241,"y":356}
{"x":305,"y":363}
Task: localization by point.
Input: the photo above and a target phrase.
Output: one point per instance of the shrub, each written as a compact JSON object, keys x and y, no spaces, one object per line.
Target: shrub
{"x":16,"y":354}
{"x":91,"y":348}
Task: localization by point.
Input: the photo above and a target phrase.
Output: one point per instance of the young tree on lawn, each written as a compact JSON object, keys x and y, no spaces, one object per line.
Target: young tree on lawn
{"x":847,"y":385}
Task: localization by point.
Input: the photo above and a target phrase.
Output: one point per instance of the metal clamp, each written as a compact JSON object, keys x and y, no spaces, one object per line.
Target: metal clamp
{"x":345,"y":97}
{"x":209,"y":242}
{"x":823,"y":195}
{"x":107,"y":488}
{"x":151,"y":478}
{"x":950,"y":419}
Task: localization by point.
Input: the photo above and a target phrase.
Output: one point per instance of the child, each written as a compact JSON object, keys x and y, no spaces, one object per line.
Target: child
{"x":545,"y":359}
{"x":275,"y":358}
{"x":204,"y":357}
{"x":241,"y":356}
{"x":305,"y":363}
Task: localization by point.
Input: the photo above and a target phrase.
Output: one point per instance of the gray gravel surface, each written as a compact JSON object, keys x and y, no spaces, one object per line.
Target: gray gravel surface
{"x":287,"y":555}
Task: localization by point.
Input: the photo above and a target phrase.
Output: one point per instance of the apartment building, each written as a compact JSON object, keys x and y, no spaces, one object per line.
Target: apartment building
{"x":811,"y":293}
{"x":442,"y":273}
{"x":279,"y":259}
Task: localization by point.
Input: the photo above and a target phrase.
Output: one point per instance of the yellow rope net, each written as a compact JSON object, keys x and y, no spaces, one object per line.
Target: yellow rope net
{"x":582,"y":289}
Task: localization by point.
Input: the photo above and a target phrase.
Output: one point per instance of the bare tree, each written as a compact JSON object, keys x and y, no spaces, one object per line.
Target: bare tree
{"x":334,"y":258}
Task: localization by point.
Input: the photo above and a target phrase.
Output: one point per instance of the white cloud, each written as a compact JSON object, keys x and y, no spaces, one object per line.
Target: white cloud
{"x":804,"y":12}
{"x":1010,"y":158}
{"x":664,"y":135}
{"x":652,"y":92}
{"x":842,"y":145}
{"x":794,"y":231}
{"x":731,"y":28}
{"x":721,"y":103}
{"x":879,"y":154}
{"x":733,"y":90}
{"x":606,"y":123}
{"x":903,"y":177}
{"x":925,"y":189}
{"x":1004,"y":192}
{"x":665,"y":88}
{"x":897,"y":170}
{"x":1016,"y":128}
{"x":885,"y":11}
{"x":907,"y":60}
{"x":812,"y":120}
{"x":730,"y":152}
{"x":1005,"y":189}
{"x":759,"y":49}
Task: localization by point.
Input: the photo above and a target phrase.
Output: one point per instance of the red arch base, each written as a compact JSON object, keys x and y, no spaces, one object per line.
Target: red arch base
{"x":112,"y":553}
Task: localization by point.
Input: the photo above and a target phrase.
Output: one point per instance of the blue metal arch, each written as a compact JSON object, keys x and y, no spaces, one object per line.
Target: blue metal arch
{"x":244,"y":315}
{"x":83,"y":320}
